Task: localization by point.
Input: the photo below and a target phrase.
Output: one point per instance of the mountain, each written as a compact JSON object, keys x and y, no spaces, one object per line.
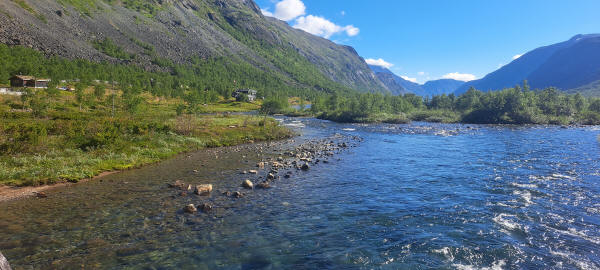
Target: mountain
{"x":397,"y":85}
{"x":590,"y":90}
{"x":441,"y":86}
{"x":565,"y":65}
{"x":153,"y":32}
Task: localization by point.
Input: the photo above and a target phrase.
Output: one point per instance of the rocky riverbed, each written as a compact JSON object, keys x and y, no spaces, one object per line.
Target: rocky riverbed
{"x":158,"y":201}
{"x":281,"y":161}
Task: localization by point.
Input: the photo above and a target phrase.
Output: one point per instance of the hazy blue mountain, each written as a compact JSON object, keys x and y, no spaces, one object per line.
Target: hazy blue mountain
{"x":590,"y":90}
{"x":397,"y":85}
{"x":566,"y":65}
{"x":441,"y":86}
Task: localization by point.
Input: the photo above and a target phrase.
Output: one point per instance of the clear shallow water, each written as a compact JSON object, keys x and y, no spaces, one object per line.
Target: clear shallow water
{"x":409,"y":196}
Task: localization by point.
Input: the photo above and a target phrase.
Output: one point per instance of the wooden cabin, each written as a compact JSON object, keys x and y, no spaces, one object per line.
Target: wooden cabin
{"x":19,"y":81}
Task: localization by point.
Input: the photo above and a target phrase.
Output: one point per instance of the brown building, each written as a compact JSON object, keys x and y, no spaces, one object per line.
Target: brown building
{"x":28,"y":81}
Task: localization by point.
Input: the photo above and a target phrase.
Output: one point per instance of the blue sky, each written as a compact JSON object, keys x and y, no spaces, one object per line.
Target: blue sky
{"x":426,"y":39}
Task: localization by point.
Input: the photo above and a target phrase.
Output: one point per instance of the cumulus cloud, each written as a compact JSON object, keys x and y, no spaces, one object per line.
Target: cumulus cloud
{"x":516,"y":56}
{"x":460,"y":76}
{"x":267,"y":13}
{"x":320,"y":26}
{"x":288,"y":10}
{"x":409,"y":79}
{"x":378,"y":62}
{"x":295,"y":10}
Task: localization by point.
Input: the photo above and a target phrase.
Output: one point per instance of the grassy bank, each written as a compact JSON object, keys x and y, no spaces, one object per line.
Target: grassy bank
{"x":52,"y":137}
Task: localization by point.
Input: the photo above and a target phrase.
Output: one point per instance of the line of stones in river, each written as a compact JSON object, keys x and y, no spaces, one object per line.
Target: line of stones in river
{"x":301,"y":159}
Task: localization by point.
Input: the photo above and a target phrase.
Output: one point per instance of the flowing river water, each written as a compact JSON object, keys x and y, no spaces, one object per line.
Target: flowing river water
{"x":417,"y":196}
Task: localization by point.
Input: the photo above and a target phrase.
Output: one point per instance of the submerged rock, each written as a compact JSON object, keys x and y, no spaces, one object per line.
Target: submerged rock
{"x":203,"y":189}
{"x":305,"y":167}
{"x":270,"y":176}
{"x":190,"y":208}
{"x":238,"y":194}
{"x":41,"y":194}
{"x":205,"y":207}
{"x":4,"y":263}
{"x":264,"y":185}
{"x":247,"y":184}
{"x":177,"y":184}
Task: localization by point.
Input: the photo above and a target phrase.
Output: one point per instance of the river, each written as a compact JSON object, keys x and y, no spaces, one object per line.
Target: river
{"x":417,"y":196}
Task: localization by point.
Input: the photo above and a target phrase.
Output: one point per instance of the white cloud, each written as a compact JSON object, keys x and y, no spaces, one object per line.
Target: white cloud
{"x":460,"y":76}
{"x":288,"y":10}
{"x":378,"y":62}
{"x":351,"y":30}
{"x":516,"y":56}
{"x":409,"y":79}
{"x":421,"y":73}
{"x":266,"y":12}
{"x":322,"y":27}
{"x":343,"y":13}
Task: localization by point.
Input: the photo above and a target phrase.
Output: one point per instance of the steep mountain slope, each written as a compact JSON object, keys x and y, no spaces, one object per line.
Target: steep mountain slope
{"x":565,"y":65}
{"x":397,"y":85}
{"x":569,"y":68}
{"x":150,"y":33}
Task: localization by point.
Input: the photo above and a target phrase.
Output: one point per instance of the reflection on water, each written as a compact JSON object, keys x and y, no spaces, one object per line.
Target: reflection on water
{"x":422,"y":195}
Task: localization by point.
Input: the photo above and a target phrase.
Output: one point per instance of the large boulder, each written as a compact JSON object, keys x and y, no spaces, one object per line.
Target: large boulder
{"x":4,"y":263}
{"x":247,"y":184}
{"x":203,"y":189}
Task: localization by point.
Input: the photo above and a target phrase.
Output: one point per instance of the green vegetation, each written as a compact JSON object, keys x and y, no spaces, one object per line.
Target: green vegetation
{"x":216,"y":76}
{"x":148,"y":8}
{"x":52,"y":136}
{"x":25,"y":6}
{"x":518,"y":105}
{"x":29,"y":9}
{"x":108,"y":47}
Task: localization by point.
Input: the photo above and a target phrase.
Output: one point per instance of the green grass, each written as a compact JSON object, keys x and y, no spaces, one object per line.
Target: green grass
{"x":66,"y":144}
{"x":230,"y":106}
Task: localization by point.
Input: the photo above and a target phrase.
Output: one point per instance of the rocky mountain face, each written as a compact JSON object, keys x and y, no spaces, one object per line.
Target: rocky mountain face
{"x":566,"y":65}
{"x":182,"y":30}
{"x":398,"y":86}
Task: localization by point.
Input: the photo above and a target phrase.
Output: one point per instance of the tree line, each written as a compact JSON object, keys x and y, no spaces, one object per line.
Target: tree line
{"x":516,"y":105}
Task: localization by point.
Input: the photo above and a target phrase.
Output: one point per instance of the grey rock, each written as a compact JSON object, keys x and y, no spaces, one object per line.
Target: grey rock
{"x":4,"y":263}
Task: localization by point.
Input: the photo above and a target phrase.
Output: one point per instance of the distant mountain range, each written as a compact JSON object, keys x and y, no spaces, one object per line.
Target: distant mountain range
{"x":568,"y":65}
{"x":398,"y":86}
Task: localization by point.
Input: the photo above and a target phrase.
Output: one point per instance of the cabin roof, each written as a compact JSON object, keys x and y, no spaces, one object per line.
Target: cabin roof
{"x":29,"y":78}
